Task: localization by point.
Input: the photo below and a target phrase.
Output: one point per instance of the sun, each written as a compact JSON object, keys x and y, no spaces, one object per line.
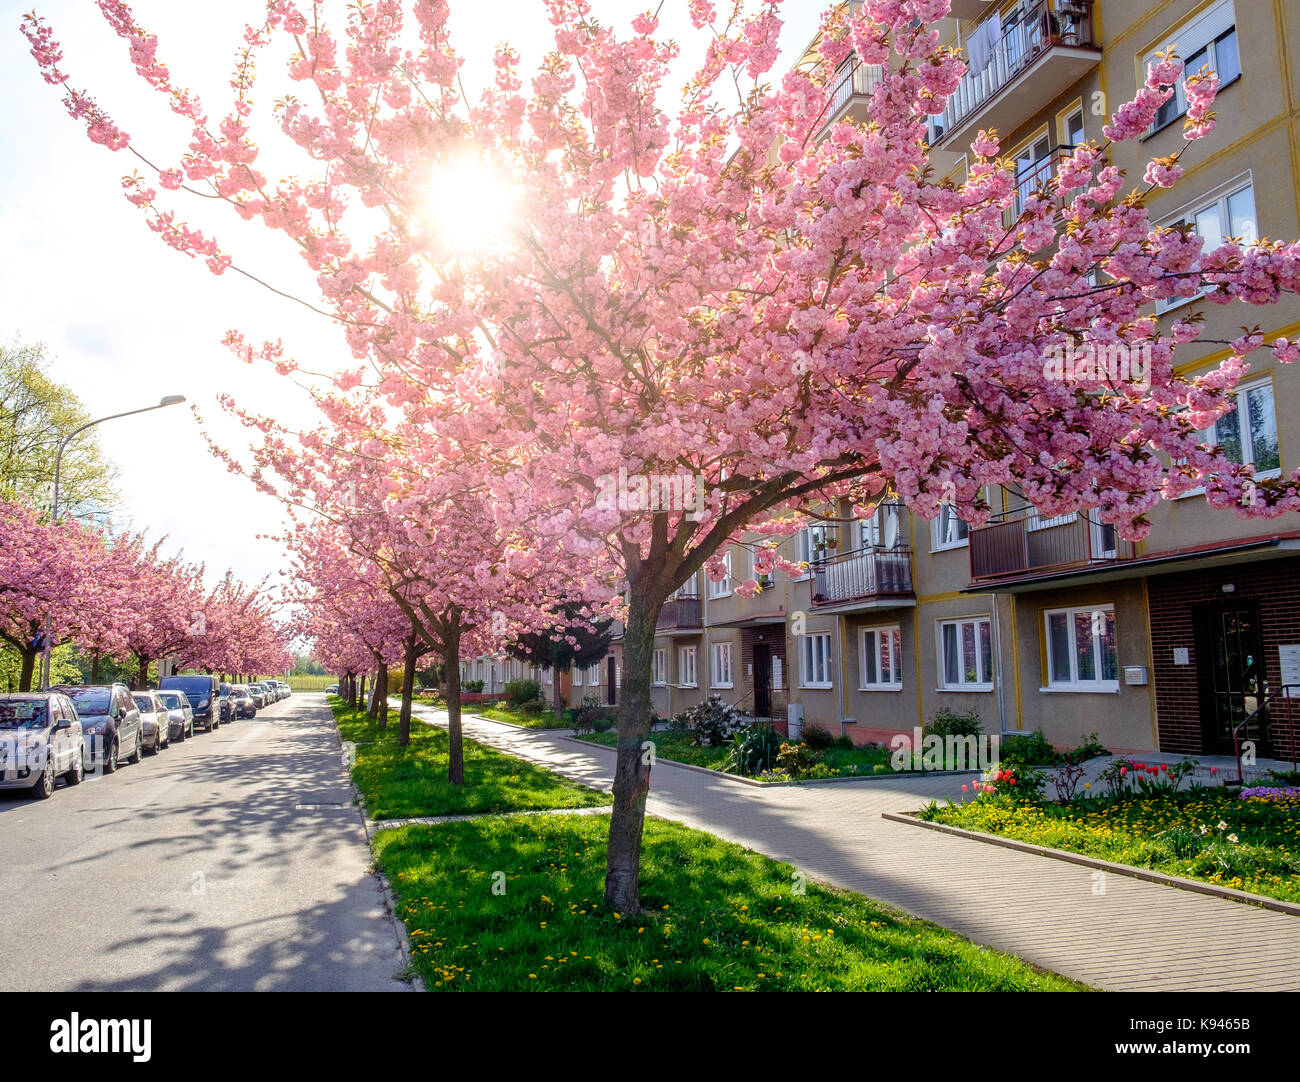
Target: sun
{"x":470,"y":208}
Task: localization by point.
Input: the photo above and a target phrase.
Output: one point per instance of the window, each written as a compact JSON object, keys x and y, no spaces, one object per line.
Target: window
{"x":816,"y":543}
{"x":816,"y":650}
{"x":1081,"y":654}
{"x":686,"y":667}
{"x":949,"y":530}
{"x":689,"y":588}
{"x":880,"y":659}
{"x":966,"y":654}
{"x":722,"y":588}
{"x":883,"y":530}
{"x":659,"y":668}
{"x":1229,"y":214}
{"x":1208,"y":41}
{"x":593,"y":674}
{"x":1074,"y":136}
{"x":577,"y":676}
{"x":722,"y":665}
{"x":1249,"y":433}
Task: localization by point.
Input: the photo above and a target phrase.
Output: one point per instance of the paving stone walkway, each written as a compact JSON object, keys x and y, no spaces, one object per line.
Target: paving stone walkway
{"x":1135,"y":937}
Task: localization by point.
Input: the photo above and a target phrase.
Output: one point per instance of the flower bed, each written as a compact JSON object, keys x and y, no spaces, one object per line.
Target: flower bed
{"x":1248,"y":842}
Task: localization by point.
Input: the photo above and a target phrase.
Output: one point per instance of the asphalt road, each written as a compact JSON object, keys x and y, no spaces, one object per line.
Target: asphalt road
{"x":196,"y":869}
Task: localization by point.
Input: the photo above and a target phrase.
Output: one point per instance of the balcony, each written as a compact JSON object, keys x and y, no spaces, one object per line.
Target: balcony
{"x":1038,"y":55}
{"x":680,"y":613}
{"x":1022,"y":544}
{"x":1038,"y":175}
{"x":851,"y":91}
{"x":865,"y":576}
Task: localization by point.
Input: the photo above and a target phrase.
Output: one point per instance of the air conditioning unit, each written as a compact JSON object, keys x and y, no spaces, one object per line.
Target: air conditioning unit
{"x":794,"y":721}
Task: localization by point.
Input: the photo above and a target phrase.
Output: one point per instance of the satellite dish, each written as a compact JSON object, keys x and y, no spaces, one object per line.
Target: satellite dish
{"x":891,"y":528}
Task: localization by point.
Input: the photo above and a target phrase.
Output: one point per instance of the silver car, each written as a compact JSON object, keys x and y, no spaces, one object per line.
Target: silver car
{"x":155,"y":721}
{"x":179,"y":713}
{"x":40,"y":740}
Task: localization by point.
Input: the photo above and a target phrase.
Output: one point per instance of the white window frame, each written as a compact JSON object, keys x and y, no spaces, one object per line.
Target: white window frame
{"x":937,"y":542}
{"x":1210,"y":436}
{"x":577,"y":676}
{"x":659,"y":668}
{"x":869,"y":647}
{"x":594,"y":674}
{"x":816,"y":671}
{"x":722,"y":587}
{"x":687,"y":654}
{"x":1097,"y":614}
{"x":1217,"y":198}
{"x":1197,"y":33}
{"x":722,"y":675}
{"x":807,"y":551}
{"x":962,"y":683}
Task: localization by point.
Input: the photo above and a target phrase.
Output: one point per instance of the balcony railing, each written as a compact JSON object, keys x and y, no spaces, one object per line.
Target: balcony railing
{"x":1021,"y":543}
{"x":853,"y":80}
{"x":680,"y":612}
{"x":862,"y":575}
{"x":1024,"y":39}
{"x":1040,"y":175}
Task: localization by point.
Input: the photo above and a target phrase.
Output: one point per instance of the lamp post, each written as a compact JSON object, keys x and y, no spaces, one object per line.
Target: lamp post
{"x":167,"y":400}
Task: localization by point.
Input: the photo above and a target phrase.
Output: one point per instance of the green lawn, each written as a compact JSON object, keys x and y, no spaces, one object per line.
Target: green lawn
{"x":512,"y":716}
{"x":515,"y":904}
{"x":1257,"y":849}
{"x":670,"y":746}
{"x":834,"y":762}
{"x":401,"y":782}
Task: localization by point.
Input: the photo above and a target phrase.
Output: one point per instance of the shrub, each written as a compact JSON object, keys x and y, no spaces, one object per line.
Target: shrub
{"x":1066,"y":777}
{"x":796,"y":759}
{"x":1027,"y":749}
{"x":713,"y":721}
{"x":845,"y":742}
{"x":753,"y":750}
{"x":948,"y":722}
{"x":534,"y":706}
{"x":591,"y":712}
{"x":474,"y":687}
{"x":1091,"y":748}
{"x":817,"y":738}
{"x":1020,"y":782}
{"x":679,"y":724}
{"x":522,"y":691}
{"x":602,"y":724}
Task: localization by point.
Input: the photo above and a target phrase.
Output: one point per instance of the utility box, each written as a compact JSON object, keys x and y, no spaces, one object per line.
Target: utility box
{"x":1135,"y":675}
{"x":794,"y":721}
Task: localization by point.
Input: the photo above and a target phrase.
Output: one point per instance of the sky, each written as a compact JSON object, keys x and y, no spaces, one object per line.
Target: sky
{"x":126,"y":320}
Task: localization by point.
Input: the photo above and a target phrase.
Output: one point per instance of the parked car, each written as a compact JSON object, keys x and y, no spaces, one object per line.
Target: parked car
{"x":333,"y":689}
{"x":284,"y":686}
{"x":40,"y":741}
{"x":155,"y":721}
{"x":245,"y":704}
{"x":110,"y":724}
{"x":273,"y":686}
{"x":269,"y":691}
{"x":259,"y":696}
{"x":179,"y":714}
{"x":227,"y":703}
{"x":202,"y":692}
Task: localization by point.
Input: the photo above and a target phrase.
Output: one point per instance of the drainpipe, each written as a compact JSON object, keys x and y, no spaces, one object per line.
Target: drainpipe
{"x":997,"y":664}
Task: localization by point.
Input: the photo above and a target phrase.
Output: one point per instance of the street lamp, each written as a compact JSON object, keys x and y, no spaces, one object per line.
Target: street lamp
{"x":166,"y":400}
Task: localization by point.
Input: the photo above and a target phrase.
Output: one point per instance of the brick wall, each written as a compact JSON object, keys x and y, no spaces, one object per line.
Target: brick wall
{"x":1273,"y":584}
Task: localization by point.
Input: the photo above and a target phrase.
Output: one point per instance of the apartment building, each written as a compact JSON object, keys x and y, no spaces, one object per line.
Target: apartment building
{"x":1055,"y":624}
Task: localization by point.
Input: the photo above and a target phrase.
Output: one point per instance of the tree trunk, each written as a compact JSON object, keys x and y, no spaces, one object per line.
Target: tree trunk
{"x":94,"y":667}
{"x":381,"y":695}
{"x":372,"y":711}
{"x":28,"y":670}
{"x":361,"y":689}
{"x":409,"y":658}
{"x":456,"y":742}
{"x":144,"y":673}
{"x":632,"y":768}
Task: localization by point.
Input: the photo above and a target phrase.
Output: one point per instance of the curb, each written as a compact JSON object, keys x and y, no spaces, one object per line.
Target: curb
{"x":386,"y":891}
{"x":783,"y":784}
{"x":1195,"y":886}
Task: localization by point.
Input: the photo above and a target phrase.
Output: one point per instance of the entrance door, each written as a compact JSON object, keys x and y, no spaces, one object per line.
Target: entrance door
{"x":1230,"y":656}
{"x":762,"y":680}
{"x":611,"y":684}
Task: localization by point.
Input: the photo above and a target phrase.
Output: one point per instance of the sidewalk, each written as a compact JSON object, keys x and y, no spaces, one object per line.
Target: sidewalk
{"x":1135,"y":937}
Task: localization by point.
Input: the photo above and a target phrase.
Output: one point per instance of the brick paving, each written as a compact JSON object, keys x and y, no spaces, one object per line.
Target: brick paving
{"x":1135,"y":936}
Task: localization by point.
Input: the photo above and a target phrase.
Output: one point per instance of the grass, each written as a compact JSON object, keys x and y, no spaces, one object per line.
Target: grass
{"x":835,"y":761}
{"x":401,"y":782}
{"x":1257,"y":849}
{"x":307,"y":682}
{"x":516,"y":904}
{"x":514,"y":716}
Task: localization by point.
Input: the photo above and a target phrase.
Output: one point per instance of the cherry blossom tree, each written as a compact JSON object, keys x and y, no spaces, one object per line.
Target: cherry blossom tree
{"x":731,"y":303}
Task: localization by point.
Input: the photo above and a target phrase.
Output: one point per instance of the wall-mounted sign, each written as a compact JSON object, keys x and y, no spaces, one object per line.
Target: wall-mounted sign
{"x":1289,"y":662}
{"x":1182,"y":655}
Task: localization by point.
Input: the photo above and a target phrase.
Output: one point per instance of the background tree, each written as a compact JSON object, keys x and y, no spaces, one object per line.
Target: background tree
{"x":576,"y":639}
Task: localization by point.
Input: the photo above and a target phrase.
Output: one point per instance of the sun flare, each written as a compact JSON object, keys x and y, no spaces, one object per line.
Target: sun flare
{"x":470,"y":208}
